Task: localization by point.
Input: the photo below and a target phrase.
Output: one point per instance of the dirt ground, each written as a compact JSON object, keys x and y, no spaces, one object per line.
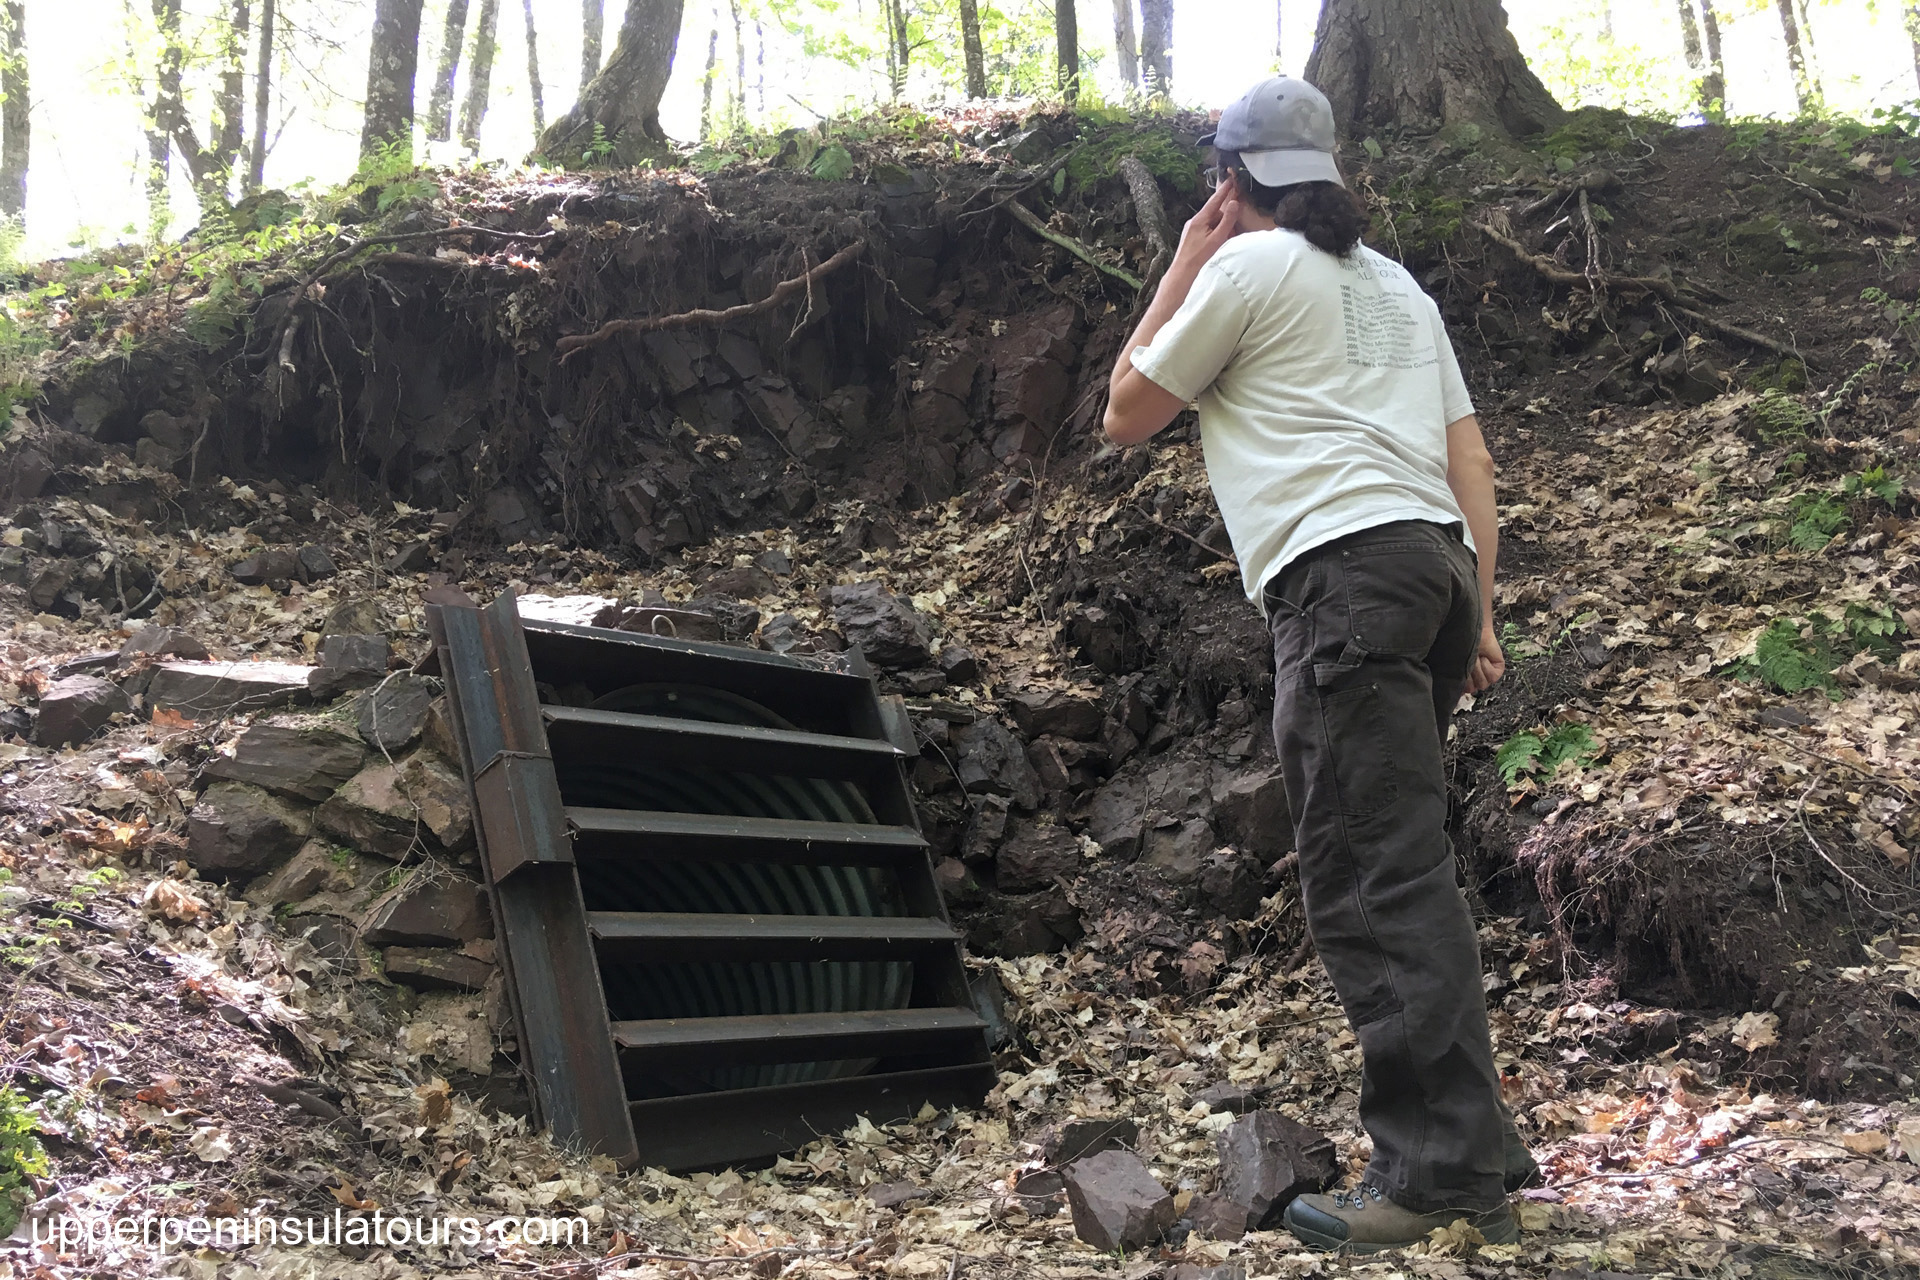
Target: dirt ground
{"x":1698,"y":891}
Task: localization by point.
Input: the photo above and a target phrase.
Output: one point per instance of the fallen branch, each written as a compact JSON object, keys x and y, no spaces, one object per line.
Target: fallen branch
{"x":1025,"y":217}
{"x":1151,"y":519}
{"x":1151,"y":211}
{"x":1557,"y":274}
{"x":702,"y":316}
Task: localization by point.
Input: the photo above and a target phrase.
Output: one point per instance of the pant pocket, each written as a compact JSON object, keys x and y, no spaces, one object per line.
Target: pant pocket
{"x":1398,"y":598}
{"x":1364,"y":770}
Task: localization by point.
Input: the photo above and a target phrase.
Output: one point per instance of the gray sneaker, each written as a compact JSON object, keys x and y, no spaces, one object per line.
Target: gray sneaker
{"x":1365,"y":1221}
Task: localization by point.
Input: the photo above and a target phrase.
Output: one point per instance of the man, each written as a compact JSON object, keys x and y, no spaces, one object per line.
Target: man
{"x":1350,"y":470}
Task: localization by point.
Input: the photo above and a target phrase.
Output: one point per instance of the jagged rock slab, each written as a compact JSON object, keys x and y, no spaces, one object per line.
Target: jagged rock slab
{"x":389,"y":808}
{"x":1078,"y":1139}
{"x":990,"y":759}
{"x":424,"y":912}
{"x":1117,"y":1203}
{"x":74,"y":709}
{"x":434,"y":968}
{"x":209,"y":690}
{"x":1057,"y":712}
{"x":1036,"y":857}
{"x":236,"y":830}
{"x":163,"y":642}
{"x":394,"y":714}
{"x":888,"y":630}
{"x":1266,"y":1160}
{"x":309,"y":762}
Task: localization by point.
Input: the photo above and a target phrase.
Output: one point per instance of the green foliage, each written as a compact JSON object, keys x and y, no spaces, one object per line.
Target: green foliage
{"x":1794,"y":655}
{"x":1100,"y":152}
{"x":833,"y":163}
{"x":1904,"y":316}
{"x":1780,"y":416}
{"x":1874,"y":482}
{"x":1521,"y":646}
{"x":1817,"y":518}
{"x":1526,"y":757}
{"x":1589,"y":133}
{"x":1788,"y":374}
{"x":599,"y":148}
{"x":22,"y":1158}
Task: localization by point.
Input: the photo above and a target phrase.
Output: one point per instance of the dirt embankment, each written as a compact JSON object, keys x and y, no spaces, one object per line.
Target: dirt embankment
{"x":1667,"y":334}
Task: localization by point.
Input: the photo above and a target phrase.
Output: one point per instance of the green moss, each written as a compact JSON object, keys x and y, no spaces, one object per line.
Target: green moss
{"x":1787,"y":375}
{"x":1593,"y":131}
{"x":1166,"y":157}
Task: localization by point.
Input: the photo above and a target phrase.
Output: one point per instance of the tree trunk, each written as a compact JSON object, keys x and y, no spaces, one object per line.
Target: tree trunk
{"x":1911,"y":11}
{"x":232,"y":100}
{"x":533,"y":71}
{"x":392,"y":61}
{"x":1690,"y":37}
{"x":902,"y":48}
{"x":1803,"y":90}
{"x":1810,"y":47}
{"x":760,"y":69}
{"x":1124,"y":48}
{"x":16,"y":129}
{"x":1426,"y":63}
{"x":1156,"y":46}
{"x":262,"y":98}
{"x":624,"y":99}
{"x":1279,"y":31}
{"x":479,"y":75}
{"x":593,"y":21}
{"x":166,"y":106}
{"x":976,"y":59}
{"x":739,"y":117}
{"x":440,"y":98}
{"x":706,"y":81}
{"x":1066,"y":42}
{"x":1714,"y":87}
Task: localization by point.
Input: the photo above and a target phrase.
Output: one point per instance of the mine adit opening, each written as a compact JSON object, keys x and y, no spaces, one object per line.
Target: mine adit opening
{"x":718,"y":918}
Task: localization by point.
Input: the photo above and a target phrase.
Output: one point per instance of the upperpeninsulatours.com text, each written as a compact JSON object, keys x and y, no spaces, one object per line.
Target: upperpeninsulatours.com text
{"x":93,"y":1234}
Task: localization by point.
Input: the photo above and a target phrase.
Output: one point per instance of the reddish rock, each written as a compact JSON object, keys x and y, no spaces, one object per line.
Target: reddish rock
{"x":74,"y":709}
{"x":1057,"y":712}
{"x":1266,"y":1160}
{"x":1117,"y":1203}
{"x":436,"y":969}
{"x":1077,"y":1139}
{"x":305,"y":761}
{"x":1037,"y":857}
{"x":423,"y":912}
{"x":237,"y":830}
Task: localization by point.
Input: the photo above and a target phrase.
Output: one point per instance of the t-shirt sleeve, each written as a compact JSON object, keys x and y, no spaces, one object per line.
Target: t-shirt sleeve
{"x":1453,"y":387}
{"x":1195,"y":345}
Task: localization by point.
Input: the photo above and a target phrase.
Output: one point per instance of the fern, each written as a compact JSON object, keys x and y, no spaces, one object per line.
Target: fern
{"x":1518,"y":755}
{"x":1781,"y":416}
{"x":1791,"y":662}
{"x":1817,"y":517}
{"x":22,"y":1158}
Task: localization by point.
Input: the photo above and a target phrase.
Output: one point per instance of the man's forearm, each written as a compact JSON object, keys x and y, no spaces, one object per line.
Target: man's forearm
{"x":1473,"y":490}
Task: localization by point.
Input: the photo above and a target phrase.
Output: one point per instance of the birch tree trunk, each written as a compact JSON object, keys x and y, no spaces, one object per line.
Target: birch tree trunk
{"x":1911,"y":11}
{"x":393,"y":59}
{"x":1425,"y":64}
{"x":16,"y":129}
{"x":262,"y":98}
{"x":480,"y":75}
{"x":624,"y":98}
{"x":976,"y":59}
{"x":166,"y":105}
{"x":440,"y":98}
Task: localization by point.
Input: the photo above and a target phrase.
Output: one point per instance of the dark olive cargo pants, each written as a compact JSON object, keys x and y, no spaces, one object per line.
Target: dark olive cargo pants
{"x":1373,"y":635}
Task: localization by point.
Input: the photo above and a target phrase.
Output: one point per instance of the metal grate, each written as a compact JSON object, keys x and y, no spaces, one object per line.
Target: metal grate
{"x":717,"y":917}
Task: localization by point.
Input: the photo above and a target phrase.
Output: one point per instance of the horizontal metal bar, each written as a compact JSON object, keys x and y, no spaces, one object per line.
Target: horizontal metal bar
{"x":604,"y":659}
{"x":796,"y":1037}
{"x":676,"y":936}
{"x":748,"y":748}
{"x":711,"y":1130}
{"x":650,"y":834}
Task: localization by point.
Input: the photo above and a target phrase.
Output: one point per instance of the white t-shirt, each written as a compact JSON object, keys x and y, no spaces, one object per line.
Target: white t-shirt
{"x":1325,"y":385}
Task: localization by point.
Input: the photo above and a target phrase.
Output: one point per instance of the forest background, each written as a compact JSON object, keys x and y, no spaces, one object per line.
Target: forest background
{"x":97,"y":72}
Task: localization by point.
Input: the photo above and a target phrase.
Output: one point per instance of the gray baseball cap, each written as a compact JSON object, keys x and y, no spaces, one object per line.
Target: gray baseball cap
{"x":1282,"y":130}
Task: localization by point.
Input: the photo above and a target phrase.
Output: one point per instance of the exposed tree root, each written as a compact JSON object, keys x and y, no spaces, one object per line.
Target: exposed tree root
{"x":1025,"y":217}
{"x":705,"y":316}
{"x":1557,"y":274}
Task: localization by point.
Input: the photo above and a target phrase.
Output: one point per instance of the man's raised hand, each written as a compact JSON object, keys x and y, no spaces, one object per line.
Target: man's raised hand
{"x":1216,"y":223}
